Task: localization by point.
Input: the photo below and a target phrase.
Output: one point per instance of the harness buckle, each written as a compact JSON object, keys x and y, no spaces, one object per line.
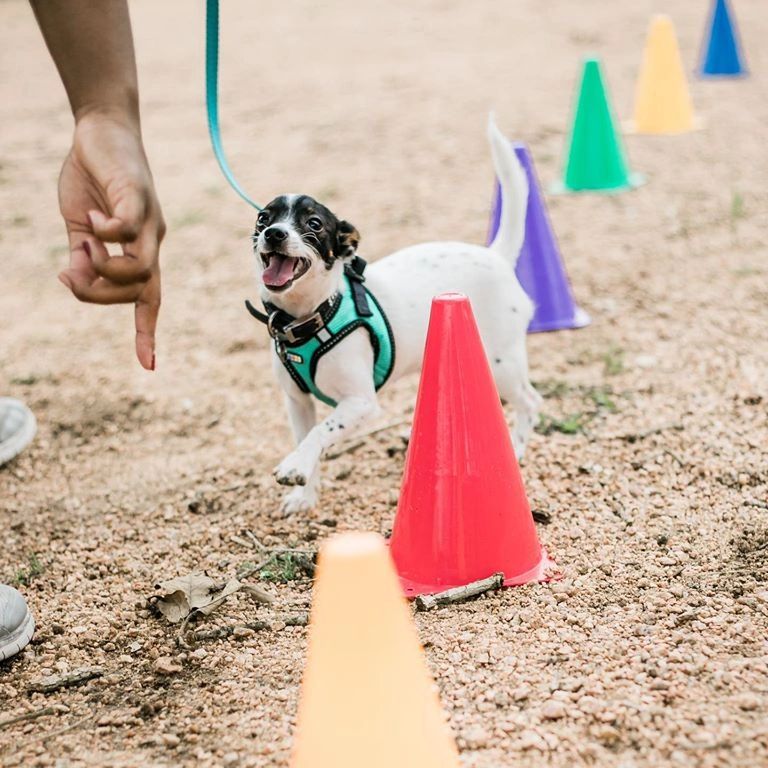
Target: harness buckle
{"x":271,"y":330}
{"x":311,"y":324}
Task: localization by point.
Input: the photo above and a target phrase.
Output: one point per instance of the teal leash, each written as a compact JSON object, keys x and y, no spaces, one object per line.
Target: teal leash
{"x":212,"y":96}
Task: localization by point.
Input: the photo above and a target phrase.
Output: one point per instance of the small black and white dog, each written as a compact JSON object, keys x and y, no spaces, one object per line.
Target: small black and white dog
{"x":303,"y":254}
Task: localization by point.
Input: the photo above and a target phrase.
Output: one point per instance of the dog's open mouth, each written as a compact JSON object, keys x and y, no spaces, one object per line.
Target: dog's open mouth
{"x":280,"y":270}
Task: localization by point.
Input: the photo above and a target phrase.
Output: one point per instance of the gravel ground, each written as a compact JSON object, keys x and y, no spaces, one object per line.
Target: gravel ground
{"x":652,"y":457}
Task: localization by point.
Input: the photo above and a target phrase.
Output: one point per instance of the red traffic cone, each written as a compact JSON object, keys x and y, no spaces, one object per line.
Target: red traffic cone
{"x":463,"y":514}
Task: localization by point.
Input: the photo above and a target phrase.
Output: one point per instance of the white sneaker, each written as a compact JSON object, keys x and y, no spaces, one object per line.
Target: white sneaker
{"x":16,"y":622}
{"x":17,"y":428}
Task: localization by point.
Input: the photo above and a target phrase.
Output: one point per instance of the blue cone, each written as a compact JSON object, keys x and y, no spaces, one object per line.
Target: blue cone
{"x":721,"y":56}
{"x":540,"y":267}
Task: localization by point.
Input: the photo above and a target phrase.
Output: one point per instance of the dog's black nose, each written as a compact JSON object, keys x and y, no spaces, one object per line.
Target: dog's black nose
{"x":275,"y":235}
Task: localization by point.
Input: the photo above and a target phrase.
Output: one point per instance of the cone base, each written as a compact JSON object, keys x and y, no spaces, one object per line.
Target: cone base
{"x":722,"y":75}
{"x":579,"y":319}
{"x":545,"y":570}
{"x":630,"y":128}
{"x":634,"y":180}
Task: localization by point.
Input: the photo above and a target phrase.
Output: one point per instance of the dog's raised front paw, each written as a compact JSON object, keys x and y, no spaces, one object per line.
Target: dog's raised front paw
{"x":298,"y":500}
{"x":292,"y":471}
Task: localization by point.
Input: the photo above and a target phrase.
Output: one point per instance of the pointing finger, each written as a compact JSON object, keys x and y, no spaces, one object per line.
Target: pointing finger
{"x":147,"y":310}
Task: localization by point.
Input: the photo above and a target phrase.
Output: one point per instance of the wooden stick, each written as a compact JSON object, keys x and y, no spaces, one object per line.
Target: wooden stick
{"x":235,"y":486}
{"x":673,"y":455}
{"x":51,"y":684}
{"x":297,"y":621}
{"x":245,"y":572}
{"x":59,"y":731}
{"x":221,"y":632}
{"x":28,"y":716}
{"x":259,"y":594}
{"x":457,"y":594}
{"x":183,"y":629}
{"x":633,"y":437}
{"x":252,"y":536}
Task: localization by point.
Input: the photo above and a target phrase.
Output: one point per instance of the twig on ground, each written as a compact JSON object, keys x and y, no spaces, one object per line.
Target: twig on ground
{"x":359,"y":440}
{"x":457,"y":594}
{"x":55,"y":682}
{"x":60,"y":731}
{"x":183,"y":628}
{"x":292,"y":551}
{"x":221,"y":632}
{"x":28,"y":716}
{"x":301,"y":620}
{"x":235,"y":487}
{"x":633,"y":437}
{"x":258,"y":593}
{"x":673,"y":455}
{"x":250,"y":570}
{"x":251,"y":543}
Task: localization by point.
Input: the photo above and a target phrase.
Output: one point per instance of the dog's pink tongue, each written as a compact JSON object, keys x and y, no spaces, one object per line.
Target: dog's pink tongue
{"x":279,"y":271}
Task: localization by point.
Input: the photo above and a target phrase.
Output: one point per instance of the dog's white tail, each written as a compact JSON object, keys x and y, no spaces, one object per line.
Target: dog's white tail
{"x":514,"y":194}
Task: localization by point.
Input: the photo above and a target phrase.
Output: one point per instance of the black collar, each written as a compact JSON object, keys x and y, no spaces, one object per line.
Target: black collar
{"x":287,"y":329}
{"x":290,"y":330}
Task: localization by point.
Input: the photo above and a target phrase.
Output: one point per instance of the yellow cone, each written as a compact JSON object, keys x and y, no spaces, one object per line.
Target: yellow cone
{"x":367,"y":699}
{"x":662,"y":101}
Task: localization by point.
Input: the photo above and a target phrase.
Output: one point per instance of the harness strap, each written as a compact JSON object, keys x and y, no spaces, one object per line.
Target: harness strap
{"x":354,"y":271}
{"x":260,"y":316}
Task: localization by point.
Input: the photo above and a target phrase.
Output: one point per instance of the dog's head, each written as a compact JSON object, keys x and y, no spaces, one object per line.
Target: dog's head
{"x":295,"y":236}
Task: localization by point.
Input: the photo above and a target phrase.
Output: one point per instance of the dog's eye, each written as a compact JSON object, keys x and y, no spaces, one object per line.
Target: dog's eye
{"x":315,"y":224}
{"x":263,"y":219}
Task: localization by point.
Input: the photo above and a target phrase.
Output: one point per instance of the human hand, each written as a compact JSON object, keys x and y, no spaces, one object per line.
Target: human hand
{"x":106,"y":195}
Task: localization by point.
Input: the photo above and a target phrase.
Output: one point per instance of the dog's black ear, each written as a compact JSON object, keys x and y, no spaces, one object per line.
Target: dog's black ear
{"x":347,"y":240}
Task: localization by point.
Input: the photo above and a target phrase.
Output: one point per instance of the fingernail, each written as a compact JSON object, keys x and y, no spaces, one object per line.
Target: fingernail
{"x":152,"y":367}
{"x":63,"y":280}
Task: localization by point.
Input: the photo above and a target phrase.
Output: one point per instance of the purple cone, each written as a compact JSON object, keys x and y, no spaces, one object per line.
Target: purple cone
{"x":540,"y":267}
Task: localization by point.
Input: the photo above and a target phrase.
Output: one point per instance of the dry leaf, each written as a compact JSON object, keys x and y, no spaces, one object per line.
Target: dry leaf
{"x":180,"y":597}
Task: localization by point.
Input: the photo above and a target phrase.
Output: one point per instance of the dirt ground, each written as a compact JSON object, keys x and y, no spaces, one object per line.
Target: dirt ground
{"x":651,"y":459}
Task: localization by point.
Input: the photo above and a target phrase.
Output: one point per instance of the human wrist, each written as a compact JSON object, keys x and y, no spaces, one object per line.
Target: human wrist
{"x":122,"y":106}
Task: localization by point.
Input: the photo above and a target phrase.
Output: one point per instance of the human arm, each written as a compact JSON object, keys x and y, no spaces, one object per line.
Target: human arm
{"x":106,"y":192}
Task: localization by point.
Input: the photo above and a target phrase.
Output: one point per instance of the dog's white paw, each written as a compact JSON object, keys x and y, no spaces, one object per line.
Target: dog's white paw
{"x":292,"y":470}
{"x":519,"y":444}
{"x":298,"y":500}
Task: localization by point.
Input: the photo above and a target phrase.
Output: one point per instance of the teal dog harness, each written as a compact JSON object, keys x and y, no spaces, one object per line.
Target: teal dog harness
{"x":300,"y":343}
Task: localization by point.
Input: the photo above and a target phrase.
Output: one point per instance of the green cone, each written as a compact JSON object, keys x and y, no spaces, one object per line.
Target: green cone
{"x":596,"y":158}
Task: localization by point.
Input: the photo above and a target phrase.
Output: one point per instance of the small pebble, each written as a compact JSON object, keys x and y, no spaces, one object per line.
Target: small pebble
{"x":553,"y":710}
{"x":166,"y":666}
